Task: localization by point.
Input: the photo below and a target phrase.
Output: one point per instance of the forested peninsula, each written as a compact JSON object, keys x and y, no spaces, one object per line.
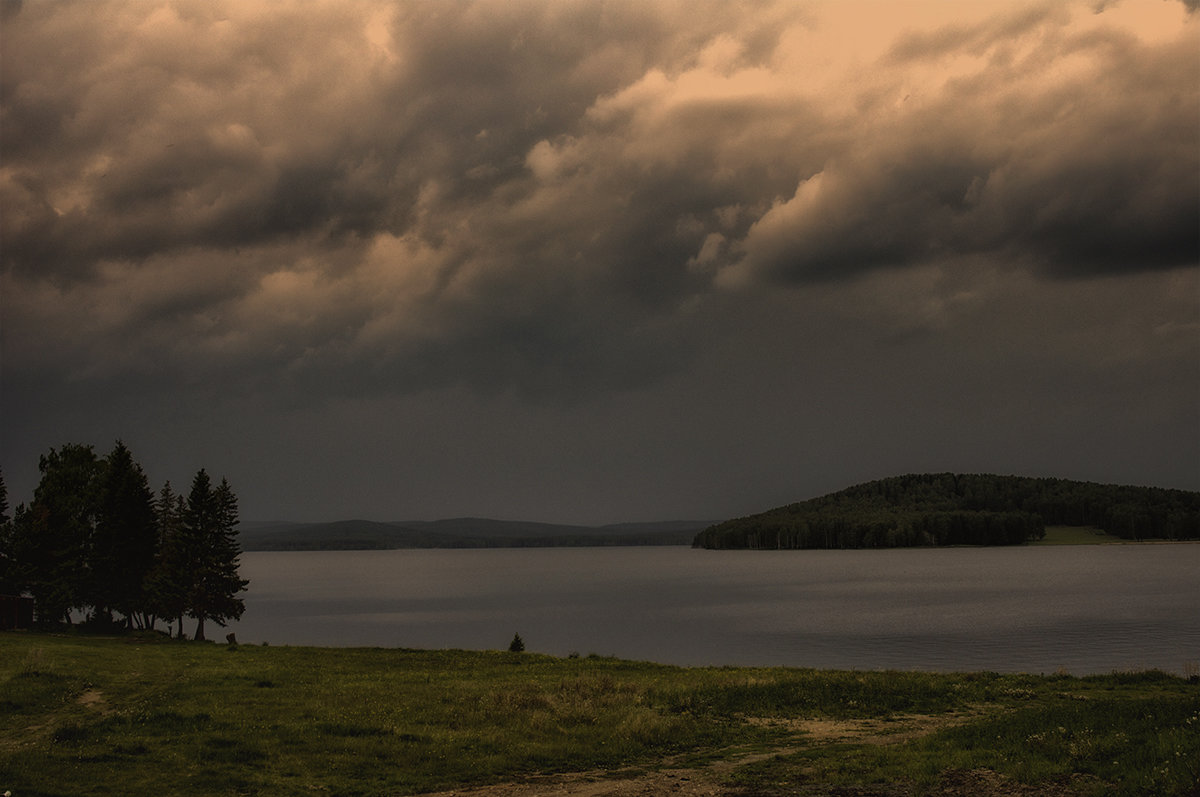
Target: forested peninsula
{"x":937,"y":509}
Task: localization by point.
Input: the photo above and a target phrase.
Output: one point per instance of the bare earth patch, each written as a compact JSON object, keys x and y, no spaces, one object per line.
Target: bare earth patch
{"x":685,"y":782}
{"x":93,"y":699}
{"x":866,"y":731}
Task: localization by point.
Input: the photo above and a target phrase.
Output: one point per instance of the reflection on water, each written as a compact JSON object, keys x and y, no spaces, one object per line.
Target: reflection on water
{"x":1084,"y":609}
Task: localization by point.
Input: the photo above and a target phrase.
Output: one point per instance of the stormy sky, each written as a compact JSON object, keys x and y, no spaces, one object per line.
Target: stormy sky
{"x":599,"y":261}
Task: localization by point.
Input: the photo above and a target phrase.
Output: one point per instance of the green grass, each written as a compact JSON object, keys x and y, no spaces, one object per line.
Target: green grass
{"x":85,"y":715}
{"x":1098,"y":738}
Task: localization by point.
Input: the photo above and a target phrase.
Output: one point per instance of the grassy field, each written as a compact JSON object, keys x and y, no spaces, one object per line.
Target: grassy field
{"x":86,"y":715}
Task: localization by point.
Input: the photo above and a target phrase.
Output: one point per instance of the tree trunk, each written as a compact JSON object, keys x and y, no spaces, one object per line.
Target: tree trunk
{"x":200,"y":629}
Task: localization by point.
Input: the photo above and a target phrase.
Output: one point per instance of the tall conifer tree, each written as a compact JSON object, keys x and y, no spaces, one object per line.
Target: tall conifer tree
{"x":8,"y":582}
{"x":126,"y":539}
{"x":53,"y":541}
{"x":210,"y":544}
{"x":4,"y":518}
{"x":170,"y":577}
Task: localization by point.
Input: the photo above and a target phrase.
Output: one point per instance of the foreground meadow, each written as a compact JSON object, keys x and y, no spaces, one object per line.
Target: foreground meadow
{"x":142,"y":715}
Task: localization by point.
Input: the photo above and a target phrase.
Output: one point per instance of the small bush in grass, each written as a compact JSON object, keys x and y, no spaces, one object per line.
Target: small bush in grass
{"x":517,"y":645}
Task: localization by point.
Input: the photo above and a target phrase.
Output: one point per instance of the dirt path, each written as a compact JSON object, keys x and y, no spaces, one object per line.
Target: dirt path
{"x":708,"y":780}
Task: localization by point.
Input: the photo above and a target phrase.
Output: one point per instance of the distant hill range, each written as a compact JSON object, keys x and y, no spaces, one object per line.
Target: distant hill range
{"x":961,"y":509}
{"x":456,"y":533}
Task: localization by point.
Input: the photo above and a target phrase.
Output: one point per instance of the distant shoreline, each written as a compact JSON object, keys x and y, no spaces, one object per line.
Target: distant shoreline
{"x":370,"y":536}
{"x":465,"y":533}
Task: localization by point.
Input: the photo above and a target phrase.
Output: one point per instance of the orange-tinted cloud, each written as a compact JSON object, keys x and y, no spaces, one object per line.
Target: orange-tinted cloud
{"x":572,"y":199}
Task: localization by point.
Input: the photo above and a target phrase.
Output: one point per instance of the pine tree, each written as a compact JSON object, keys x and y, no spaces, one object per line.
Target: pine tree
{"x":8,"y":581}
{"x":211,"y":545}
{"x":126,"y":539}
{"x":52,"y":540}
{"x":4,"y":518}
{"x":168,"y":587}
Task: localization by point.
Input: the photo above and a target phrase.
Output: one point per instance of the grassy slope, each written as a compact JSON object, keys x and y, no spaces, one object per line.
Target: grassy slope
{"x":102,"y":716}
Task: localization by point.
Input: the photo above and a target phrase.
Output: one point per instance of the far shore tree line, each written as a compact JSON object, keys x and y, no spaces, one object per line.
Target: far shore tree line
{"x":97,"y":542}
{"x":935,"y":509}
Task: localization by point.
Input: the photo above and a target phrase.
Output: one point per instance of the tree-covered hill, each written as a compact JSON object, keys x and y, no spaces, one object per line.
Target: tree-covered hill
{"x":961,"y":509}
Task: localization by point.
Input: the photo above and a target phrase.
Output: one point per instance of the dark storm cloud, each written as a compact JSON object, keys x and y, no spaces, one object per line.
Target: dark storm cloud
{"x":365,"y":201}
{"x":275,"y":154}
{"x":1092,"y":173}
{"x":181,"y":126}
{"x":599,"y":261}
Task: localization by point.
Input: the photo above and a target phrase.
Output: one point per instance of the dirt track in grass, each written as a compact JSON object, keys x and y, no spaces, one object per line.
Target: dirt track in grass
{"x":710,"y":780}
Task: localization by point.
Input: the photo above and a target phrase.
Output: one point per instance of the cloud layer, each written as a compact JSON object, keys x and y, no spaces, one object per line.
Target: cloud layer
{"x":363,"y":199}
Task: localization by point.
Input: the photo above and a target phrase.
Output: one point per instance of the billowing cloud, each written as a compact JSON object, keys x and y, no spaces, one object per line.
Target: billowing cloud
{"x":403,"y":184}
{"x":366,"y":199}
{"x":1071,"y":151}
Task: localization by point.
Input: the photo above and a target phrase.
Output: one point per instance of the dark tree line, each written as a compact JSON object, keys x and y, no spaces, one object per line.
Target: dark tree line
{"x":95,"y":540}
{"x":961,"y":509}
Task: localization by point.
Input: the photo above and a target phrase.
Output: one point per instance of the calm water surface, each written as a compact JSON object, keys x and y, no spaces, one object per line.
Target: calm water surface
{"x":1085,"y":609}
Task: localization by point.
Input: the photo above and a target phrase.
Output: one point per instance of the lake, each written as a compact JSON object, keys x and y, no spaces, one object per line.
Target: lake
{"x":1081,"y":609}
